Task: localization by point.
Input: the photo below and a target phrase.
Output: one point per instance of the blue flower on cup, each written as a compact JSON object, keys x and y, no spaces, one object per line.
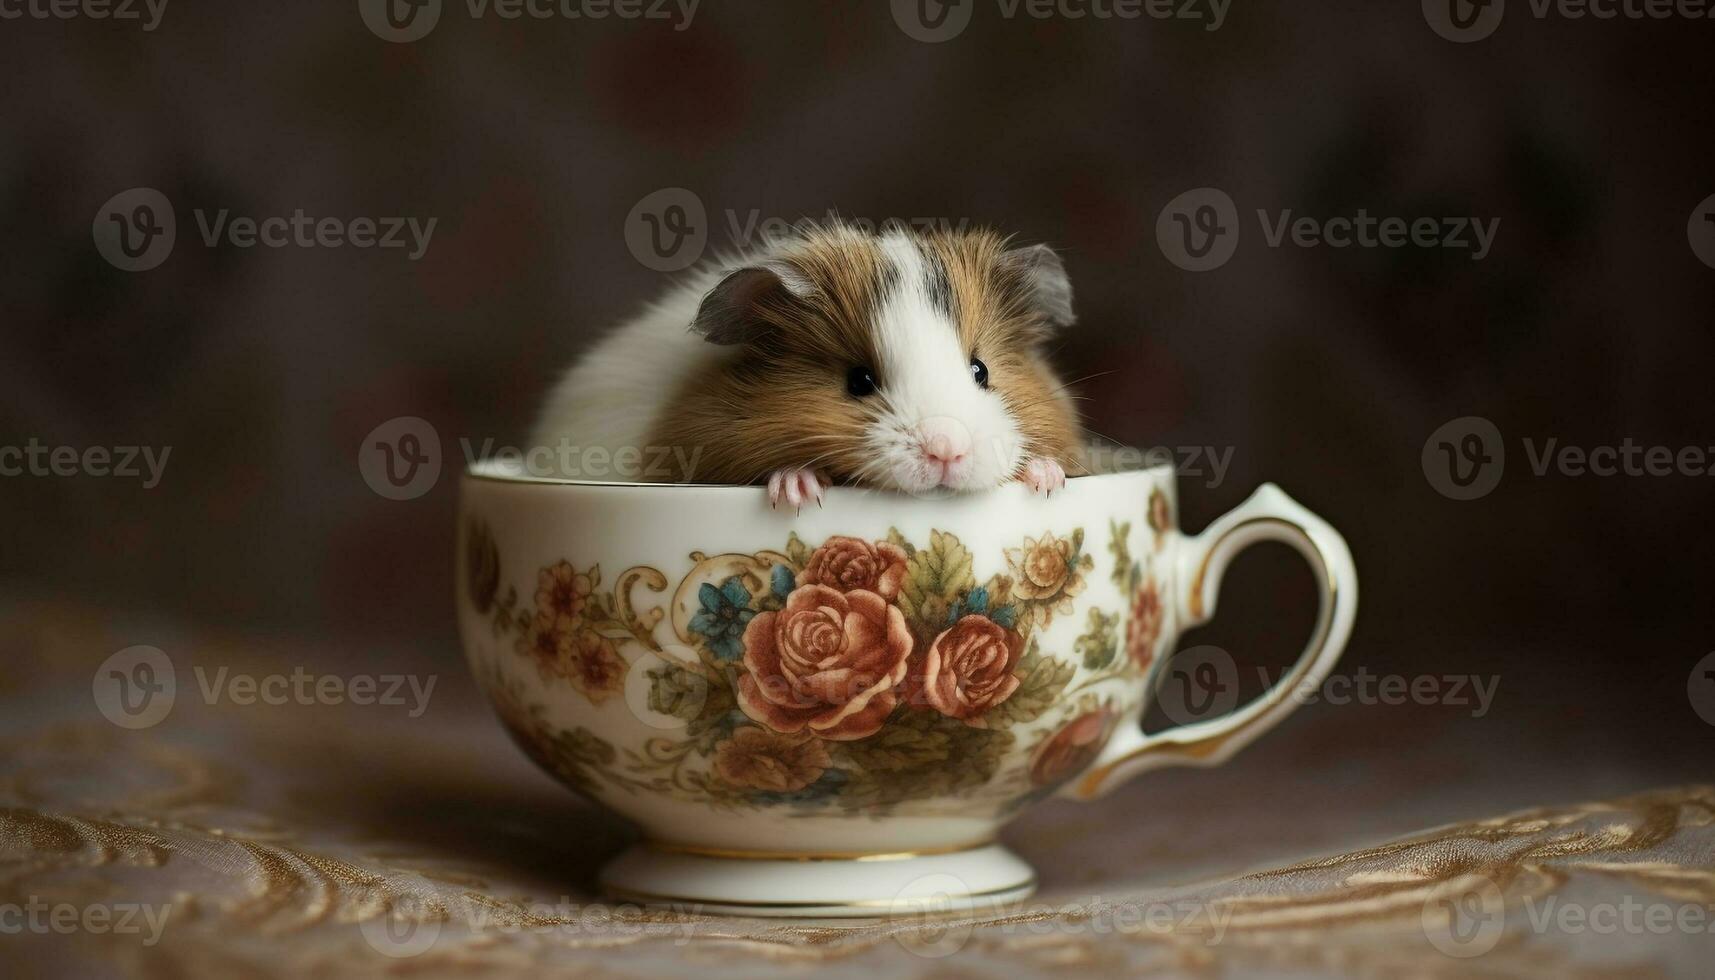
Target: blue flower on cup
{"x":725,"y":613}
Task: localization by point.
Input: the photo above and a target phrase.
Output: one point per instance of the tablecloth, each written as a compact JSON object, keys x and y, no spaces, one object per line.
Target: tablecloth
{"x":352,"y":836}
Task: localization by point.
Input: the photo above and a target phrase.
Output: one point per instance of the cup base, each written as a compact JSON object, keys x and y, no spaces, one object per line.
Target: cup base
{"x":861,"y":886}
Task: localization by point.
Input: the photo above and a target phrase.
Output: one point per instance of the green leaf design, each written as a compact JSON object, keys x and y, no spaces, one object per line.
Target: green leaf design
{"x":577,"y":756}
{"x":1100,"y":642}
{"x":922,"y":754}
{"x":676,"y":691}
{"x":506,"y":613}
{"x":1041,"y":679}
{"x":688,"y":696}
{"x":585,"y":746}
{"x":977,"y":753}
{"x":1118,"y":537}
{"x":898,"y":747}
{"x":1127,"y":574}
{"x":898,"y":541}
{"x":798,"y":551}
{"x":934,"y":578}
{"x":863,"y":790}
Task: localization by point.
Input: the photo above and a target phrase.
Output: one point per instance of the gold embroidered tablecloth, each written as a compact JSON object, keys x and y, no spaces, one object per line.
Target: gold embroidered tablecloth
{"x":242,"y":838}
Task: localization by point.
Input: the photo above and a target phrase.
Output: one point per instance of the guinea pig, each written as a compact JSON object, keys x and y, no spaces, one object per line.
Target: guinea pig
{"x":904,"y":360}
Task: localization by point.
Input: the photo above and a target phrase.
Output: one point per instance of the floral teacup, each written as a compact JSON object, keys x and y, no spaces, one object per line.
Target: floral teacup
{"x":821,"y":713}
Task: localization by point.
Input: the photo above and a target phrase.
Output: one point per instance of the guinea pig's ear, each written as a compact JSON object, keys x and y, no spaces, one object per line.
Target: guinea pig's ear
{"x":729,"y":313}
{"x":1044,"y":276}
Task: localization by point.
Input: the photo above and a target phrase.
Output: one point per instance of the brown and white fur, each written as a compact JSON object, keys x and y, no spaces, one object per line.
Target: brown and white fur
{"x":745,"y":367}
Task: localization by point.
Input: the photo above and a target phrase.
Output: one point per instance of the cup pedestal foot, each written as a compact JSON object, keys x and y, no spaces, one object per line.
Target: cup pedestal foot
{"x":871,"y":886}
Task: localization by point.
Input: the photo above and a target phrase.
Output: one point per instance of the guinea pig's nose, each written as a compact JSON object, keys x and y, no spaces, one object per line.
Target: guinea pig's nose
{"x":944,"y":440}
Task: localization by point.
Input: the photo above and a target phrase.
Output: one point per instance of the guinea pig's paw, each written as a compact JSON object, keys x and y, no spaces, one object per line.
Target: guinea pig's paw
{"x":1043,"y":475}
{"x":795,"y":485}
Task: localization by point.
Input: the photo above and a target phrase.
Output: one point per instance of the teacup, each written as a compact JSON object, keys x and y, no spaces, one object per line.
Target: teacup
{"x":824,"y":712}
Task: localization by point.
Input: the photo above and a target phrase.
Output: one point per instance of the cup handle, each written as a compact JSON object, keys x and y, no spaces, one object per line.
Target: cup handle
{"x":1268,"y":515}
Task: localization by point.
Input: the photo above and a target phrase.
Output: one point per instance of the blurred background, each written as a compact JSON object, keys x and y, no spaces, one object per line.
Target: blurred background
{"x":542,"y":148}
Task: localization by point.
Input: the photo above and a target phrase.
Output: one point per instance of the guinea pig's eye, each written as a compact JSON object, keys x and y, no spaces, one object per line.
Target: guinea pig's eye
{"x":980,"y":373}
{"x":860,"y":382}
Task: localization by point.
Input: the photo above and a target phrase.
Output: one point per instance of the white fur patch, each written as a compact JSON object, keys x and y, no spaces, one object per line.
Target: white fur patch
{"x":925,"y":374}
{"x":611,"y":395}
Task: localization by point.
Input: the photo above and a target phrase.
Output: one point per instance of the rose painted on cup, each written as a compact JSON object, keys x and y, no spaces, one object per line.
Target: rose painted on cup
{"x":852,"y":564}
{"x":756,"y":759}
{"x":1160,"y":515}
{"x":1144,"y":629}
{"x":829,"y":662}
{"x":1048,"y":575}
{"x":1068,"y":751}
{"x":969,"y":670}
